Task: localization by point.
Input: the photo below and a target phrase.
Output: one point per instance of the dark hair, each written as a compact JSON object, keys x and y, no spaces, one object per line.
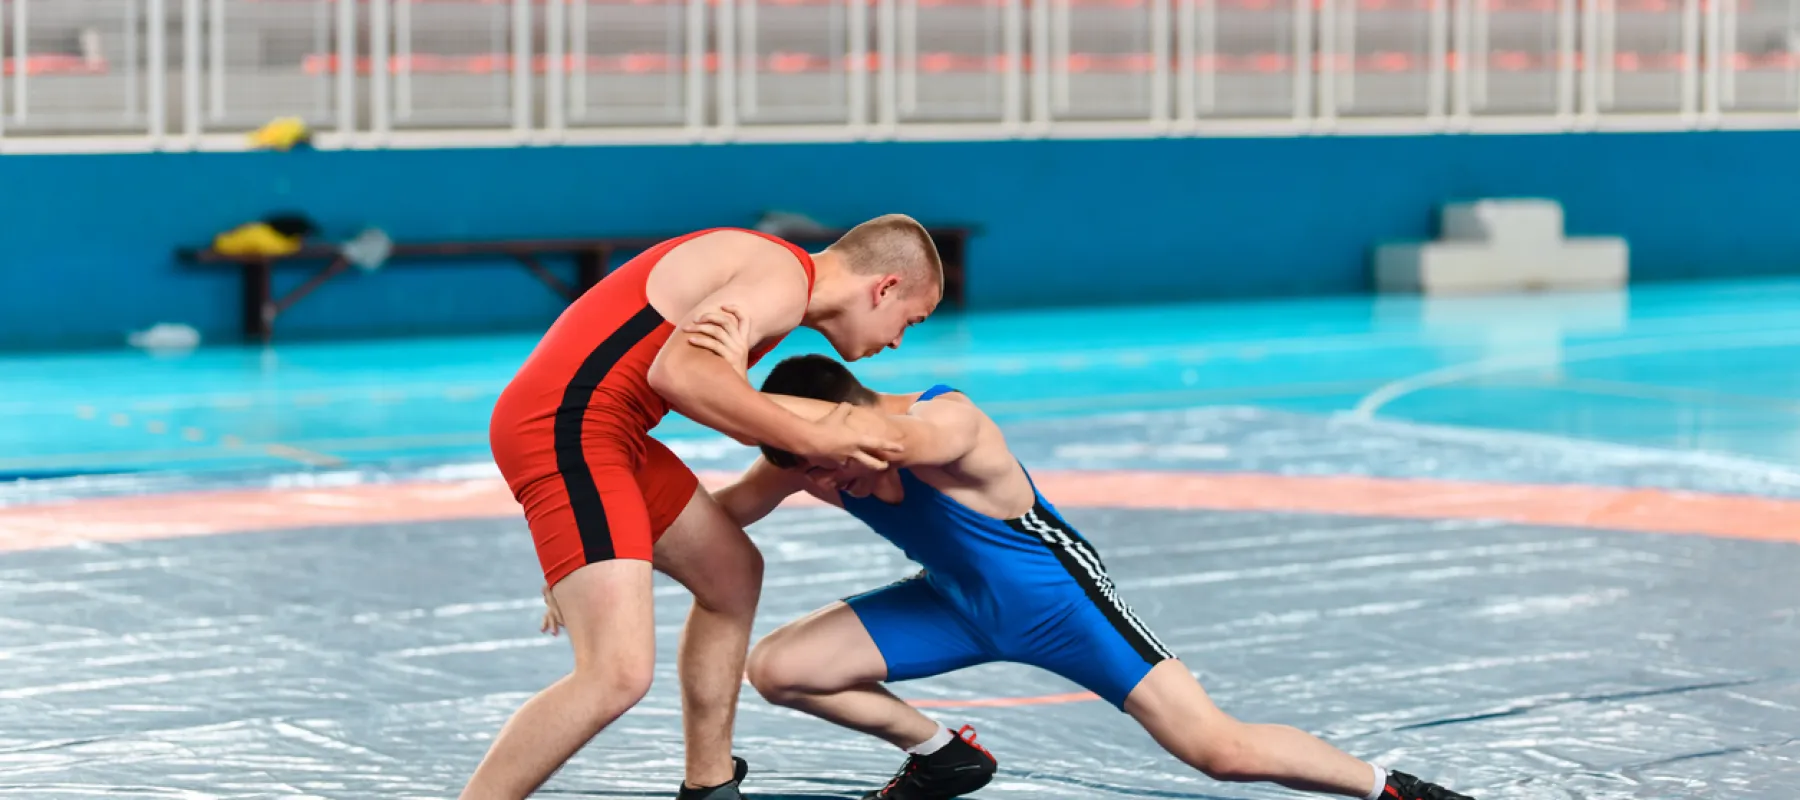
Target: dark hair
{"x":815,"y":377}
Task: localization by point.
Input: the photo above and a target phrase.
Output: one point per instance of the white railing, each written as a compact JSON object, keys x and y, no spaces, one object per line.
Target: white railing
{"x":81,"y":75}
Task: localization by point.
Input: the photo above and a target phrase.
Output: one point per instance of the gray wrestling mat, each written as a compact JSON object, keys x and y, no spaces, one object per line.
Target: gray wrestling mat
{"x":1504,"y":660}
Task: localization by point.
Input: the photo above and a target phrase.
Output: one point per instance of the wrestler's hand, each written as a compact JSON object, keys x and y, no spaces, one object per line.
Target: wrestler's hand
{"x":553,"y":623}
{"x":835,"y":443}
{"x":725,"y":332}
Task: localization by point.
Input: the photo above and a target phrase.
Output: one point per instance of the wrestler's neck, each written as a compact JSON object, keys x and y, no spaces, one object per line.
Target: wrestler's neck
{"x":895,"y":403}
{"x":835,"y":289}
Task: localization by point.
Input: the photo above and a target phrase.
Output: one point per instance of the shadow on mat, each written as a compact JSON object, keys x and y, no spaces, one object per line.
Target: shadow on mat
{"x":748,"y":795}
{"x":828,"y":794}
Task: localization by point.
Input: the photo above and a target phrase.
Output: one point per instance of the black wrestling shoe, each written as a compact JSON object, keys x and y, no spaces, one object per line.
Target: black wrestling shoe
{"x":960,"y":768}
{"x":724,"y":791}
{"x":1401,"y":786}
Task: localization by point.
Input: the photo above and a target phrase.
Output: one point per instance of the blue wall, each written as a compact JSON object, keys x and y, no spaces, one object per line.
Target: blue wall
{"x":85,"y":241}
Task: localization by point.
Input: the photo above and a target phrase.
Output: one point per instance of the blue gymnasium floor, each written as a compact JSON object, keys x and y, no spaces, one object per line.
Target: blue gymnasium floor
{"x":1706,"y":367}
{"x":1508,"y":659}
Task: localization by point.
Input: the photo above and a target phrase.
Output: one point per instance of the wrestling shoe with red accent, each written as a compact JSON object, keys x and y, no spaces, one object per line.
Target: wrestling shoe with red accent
{"x":1401,"y":786}
{"x":961,"y":767}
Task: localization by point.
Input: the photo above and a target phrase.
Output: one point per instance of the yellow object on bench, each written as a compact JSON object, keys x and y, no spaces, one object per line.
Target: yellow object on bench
{"x":255,"y":239}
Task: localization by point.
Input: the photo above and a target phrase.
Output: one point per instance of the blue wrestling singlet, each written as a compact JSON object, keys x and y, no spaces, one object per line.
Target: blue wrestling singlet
{"x":1028,"y":590}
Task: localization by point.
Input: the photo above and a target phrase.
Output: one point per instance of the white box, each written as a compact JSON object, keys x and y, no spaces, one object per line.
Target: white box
{"x":1502,"y":246}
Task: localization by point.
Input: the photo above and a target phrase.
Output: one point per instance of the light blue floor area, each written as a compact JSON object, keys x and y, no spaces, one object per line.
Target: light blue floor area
{"x":1711,"y":367}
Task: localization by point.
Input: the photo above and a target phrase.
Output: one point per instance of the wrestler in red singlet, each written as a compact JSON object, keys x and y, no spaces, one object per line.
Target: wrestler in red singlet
{"x":571,"y":432}
{"x":571,"y":435}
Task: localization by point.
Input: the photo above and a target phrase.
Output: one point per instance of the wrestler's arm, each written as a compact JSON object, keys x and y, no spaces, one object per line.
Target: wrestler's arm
{"x":714,"y":393}
{"x":933,"y":433}
{"x":708,"y":391}
{"x":757,"y":492}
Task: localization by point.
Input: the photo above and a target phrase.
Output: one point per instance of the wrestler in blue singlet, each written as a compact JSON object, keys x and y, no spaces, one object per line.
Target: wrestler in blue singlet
{"x":1029,"y":590}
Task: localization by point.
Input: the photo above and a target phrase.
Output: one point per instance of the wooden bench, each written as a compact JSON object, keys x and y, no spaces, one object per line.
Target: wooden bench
{"x":592,"y":256}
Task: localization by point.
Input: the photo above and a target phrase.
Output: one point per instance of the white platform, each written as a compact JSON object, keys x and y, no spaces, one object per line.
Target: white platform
{"x":1502,"y":246}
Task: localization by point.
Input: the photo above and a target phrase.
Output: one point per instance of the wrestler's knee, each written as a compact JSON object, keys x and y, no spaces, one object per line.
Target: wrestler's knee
{"x":736,"y":585}
{"x":607,"y":688}
{"x":777,"y":669}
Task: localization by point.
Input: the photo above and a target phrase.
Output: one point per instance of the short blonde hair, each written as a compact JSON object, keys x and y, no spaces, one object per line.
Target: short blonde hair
{"x":896,"y":244}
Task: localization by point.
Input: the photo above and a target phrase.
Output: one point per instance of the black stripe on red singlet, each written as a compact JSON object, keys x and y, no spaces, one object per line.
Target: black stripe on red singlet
{"x":584,"y":495}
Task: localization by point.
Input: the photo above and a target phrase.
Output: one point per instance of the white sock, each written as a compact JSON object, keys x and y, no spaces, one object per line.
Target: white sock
{"x":1380,"y":783}
{"x":937,"y":742}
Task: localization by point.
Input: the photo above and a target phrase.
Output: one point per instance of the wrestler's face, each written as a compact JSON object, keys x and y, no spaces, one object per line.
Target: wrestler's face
{"x":853,"y":479}
{"x":880,"y":319}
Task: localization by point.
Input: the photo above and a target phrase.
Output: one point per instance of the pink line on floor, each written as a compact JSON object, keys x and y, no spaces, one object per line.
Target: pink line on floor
{"x":124,"y":519}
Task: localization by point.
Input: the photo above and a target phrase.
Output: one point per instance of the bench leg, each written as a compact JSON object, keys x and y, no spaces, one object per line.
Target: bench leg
{"x":546,"y":277}
{"x":590,"y":267}
{"x":952,"y":250}
{"x":258,"y":306}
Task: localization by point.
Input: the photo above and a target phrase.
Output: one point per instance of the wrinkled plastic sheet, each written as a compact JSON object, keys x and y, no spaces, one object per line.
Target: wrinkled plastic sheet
{"x":1508,"y":661}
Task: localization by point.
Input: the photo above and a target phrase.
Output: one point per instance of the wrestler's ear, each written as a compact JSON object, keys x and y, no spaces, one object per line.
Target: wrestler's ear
{"x":884,"y":289}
